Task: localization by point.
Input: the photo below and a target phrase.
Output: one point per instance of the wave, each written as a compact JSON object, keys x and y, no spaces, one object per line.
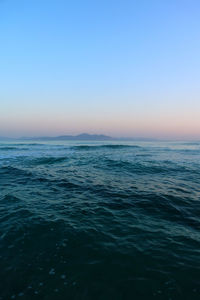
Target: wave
{"x":182,"y":151}
{"x":30,"y":144}
{"x":68,"y":185}
{"x":11,"y":148}
{"x":86,"y":147}
{"x":191,"y":144}
{"x":10,"y":198}
{"x":141,"y":168}
{"x":18,"y":146}
{"x":48,"y":160}
{"x":14,"y":171}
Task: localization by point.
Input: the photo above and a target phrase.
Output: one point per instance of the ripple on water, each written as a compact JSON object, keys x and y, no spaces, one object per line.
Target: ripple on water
{"x":105,"y":221}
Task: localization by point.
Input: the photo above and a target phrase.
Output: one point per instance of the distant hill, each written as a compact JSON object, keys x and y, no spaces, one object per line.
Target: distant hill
{"x":82,"y":136}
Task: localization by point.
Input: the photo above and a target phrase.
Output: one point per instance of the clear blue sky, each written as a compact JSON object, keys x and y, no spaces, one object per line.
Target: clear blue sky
{"x":124,"y":68}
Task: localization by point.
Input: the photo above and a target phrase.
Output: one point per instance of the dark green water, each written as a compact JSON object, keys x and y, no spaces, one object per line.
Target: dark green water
{"x":99,"y":221}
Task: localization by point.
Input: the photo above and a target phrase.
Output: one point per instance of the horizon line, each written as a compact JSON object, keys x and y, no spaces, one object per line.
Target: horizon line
{"x":102,"y":136}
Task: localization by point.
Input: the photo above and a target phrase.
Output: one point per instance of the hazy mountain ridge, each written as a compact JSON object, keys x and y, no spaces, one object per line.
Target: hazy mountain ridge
{"x":82,"y":136}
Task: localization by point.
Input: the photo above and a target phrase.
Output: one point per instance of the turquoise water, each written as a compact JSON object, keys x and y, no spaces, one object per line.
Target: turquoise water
{"x":94,"y":220}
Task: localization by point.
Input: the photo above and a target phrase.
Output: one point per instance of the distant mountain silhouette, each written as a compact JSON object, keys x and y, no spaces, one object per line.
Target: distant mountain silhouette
{"x":82,"y":136}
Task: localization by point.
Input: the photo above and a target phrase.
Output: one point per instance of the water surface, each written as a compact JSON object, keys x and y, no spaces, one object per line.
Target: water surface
{"x":99,"y":220}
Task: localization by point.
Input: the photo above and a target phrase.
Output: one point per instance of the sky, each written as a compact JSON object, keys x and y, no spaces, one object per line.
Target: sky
{"x":122,"y":68}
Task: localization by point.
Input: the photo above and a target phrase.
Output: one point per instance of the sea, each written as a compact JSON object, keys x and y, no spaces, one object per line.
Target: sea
{"x":99,"y":220}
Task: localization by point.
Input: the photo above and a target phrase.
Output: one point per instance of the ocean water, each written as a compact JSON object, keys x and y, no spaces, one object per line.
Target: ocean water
{"x":99,"y":220}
